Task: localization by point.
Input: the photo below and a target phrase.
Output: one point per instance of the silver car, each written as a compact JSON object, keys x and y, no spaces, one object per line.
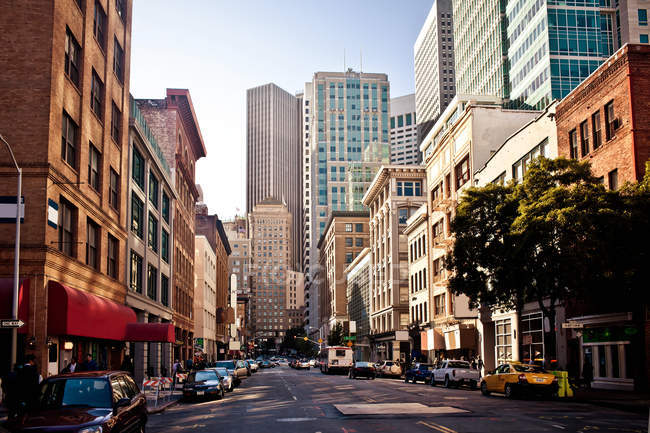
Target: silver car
{"x":227,"y":379}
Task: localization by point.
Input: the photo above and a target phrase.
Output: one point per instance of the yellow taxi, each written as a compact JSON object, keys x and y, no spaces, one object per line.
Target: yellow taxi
{"x":515,"y":378}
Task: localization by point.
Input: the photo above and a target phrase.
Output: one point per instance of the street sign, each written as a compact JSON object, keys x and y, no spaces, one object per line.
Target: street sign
{"x":8,"y":209}
{"x":349,"y":344}
{"x":350,"y":338}
{"x":572,"y":324}
{"x":10,"y":323}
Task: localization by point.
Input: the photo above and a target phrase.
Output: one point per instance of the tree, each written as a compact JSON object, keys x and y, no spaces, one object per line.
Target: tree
{"x":294,"y":339}
{"x":336,"y":335}
{"x":544,"y":240}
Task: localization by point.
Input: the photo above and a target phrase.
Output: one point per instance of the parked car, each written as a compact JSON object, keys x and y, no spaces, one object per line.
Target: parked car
{"x":388,"y":369}
{"x":97,"y":401}
{"x":363,"y":369}
{"x":420,"y":371}
{"x":454,"y":372}
{"x":254,"y":365}
{"x":266,"y":364}
{"x":312,"y":362}
{"x":227,"y":379}
{"x":203,"y":383}
{"x":303,"y":364}
{"x":516,"y":378}
{"x":237,"y":368}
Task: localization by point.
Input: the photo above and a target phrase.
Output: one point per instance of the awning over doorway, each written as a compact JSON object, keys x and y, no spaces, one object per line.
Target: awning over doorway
{"x":73,"y":312}
{"x":7,"y":296}
{"x":150,"y":332}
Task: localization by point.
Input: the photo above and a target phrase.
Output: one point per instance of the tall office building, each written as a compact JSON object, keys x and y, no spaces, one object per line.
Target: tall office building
{"x":273,"y":158}
{"x":433,"y":53}
{"x":531,"y":51}
{"x":347,"y":140}
{"x":404,"y":148}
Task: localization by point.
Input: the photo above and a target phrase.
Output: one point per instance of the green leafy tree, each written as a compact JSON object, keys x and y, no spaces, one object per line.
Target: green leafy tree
{"x":294,"y":339}
{"x":336,"y":335}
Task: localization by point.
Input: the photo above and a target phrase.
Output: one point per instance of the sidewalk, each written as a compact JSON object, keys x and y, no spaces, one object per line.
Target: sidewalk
{"x":165,"y":400}
{"x":630,"y":401}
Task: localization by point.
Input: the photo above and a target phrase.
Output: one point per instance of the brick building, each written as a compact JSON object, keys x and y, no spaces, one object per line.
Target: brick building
{"x":605,"y":121}
{"x":176,"y":129}
{"x":65,"y":116}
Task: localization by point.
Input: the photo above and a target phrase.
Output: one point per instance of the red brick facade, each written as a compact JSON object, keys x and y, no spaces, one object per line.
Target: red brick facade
{"x":35,"y":91}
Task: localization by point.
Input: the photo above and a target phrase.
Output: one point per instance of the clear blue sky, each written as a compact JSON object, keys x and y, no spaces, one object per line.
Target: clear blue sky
{"x":218,"y":49}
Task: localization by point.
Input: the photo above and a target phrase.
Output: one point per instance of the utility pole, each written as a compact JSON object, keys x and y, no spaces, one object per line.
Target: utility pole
{"x":14,"y":307}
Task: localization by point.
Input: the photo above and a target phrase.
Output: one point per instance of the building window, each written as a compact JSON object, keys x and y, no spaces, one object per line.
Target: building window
{"x":136,"y":272}
{"x":402,"y":215}
{"x":409,"y":189}
{"x":348,"y":228}
{"x":164,"y":290}
{"x":152,"y":282}
{"x":96,"y":95}
{"x":99,"y":25}
{"x":359,"y":242}
{"x":72,"y":55}
{"x":112,"y":261}
{"x":504,"y":340}
{"x":584,"y":138}
{"x":643,"y":17}
{"x":348,"y":242}
{"x":138,"y":168}
{"x":153,"y":233}
{"x":67,"y":217}
{"x":153,"y":190}
{"x":165,"y":206}
{"x":595,"y":126}
{"x":137,"y":216}
{"x":93,"y":167}
{"x":114,"y":190}
{"x":643,"y":38}
{"x":348,"y":257}
{"x":462,"y":172}
{"x":573,"y":144}
{"x":164,"y":247}
{"x":358,"y":228}
{"x":69,"y":131}
{"x":92,"y":243}
{"x":439,"y":305}
{"x":116,"y":124}
{"x":118,"y":60}
{"x":610,"y":121}
{"x":612,"y":177}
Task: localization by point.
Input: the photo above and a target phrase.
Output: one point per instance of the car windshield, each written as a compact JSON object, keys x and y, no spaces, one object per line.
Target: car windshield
{"x":525,"y":368}
{"x":364,"y":364}
{"x":426,"y":367}
{"x":222,"y":371}
{"x":388,"y":363}
{"x":458,"y":364}
{"x":205,"y":375}
{"x":90,"y":392}
{"x":226,"y":364}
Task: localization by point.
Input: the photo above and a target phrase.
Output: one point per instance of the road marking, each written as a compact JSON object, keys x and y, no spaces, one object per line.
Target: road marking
{"x":438,"y":427}
{"x":294,"y":419}
{"x":455,"y":398}
{"x":294,"y":397}
{"x":395,"y":409}
{"x":558,"y":426}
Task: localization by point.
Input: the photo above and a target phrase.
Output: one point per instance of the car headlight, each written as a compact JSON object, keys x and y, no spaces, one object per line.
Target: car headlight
{"x":93,"y":429}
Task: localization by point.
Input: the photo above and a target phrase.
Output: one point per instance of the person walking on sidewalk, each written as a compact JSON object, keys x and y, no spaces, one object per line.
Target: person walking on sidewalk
{"x":587,"y":373}
{"x":28,"y":379}
{"x":176,"y":368}
{"x":90,"y":364}
{"x":72,"y":366}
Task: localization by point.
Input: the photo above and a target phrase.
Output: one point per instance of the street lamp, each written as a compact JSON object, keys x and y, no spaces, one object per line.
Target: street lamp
{"x":14,"y":307}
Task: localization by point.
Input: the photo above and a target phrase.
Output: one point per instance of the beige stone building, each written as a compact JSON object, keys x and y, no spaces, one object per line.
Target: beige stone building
{"x":461,"y":141}
{"x":205,"y":297}
{"x":270,"y":231}
{"x":395,"y":194}
{"x":295,"y":298}
{"x":345,"y":235}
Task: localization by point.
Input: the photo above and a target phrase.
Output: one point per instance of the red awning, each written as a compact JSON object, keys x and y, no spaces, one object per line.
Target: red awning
{"x":6,"y":300}
{"x":73,"y":312}
{"x":150,"y":332}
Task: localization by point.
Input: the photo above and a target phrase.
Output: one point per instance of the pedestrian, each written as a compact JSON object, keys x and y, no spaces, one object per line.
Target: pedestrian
{"x":10,"y":391}
{"x":127,"y":365}
{"x":189,"y":364}
{"x":72,"y":366}
{"x":27,"y":384}
{"x":89,"y":364}
{"x":176,"y":368}
{"x":587,"y":373}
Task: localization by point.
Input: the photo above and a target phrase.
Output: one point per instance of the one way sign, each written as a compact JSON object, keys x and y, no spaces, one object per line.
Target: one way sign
{"x":10,"y":323}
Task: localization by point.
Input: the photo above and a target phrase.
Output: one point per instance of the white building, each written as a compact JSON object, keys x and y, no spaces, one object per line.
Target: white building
{"x":404,"y":146}
{"x":205,"y":297}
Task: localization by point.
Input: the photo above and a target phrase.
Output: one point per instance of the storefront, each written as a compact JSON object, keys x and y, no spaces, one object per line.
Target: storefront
{"x":392,"y":345}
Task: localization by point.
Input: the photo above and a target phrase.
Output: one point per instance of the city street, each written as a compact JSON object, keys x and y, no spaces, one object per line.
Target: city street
{"x":287,"y":400}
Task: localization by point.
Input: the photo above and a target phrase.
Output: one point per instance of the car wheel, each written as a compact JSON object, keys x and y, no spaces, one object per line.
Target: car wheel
{"x":447,"y":382}
{"x":484,"y":389}
{"x":372,"y":377}
{"x":509,"y":390}
{"x":142,"y":428}
{"x":472,"y":384}
{"x":406,"y":379}
{"x":433,"y":381}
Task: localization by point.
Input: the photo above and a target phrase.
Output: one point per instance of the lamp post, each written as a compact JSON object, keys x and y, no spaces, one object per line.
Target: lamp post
{"x":14,"y":307}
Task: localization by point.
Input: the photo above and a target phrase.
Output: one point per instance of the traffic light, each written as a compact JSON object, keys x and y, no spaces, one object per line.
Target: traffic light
{"x":305,"y":338}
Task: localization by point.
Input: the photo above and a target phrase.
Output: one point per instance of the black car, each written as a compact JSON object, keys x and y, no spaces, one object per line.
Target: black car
{"x":203,"y":383}
{"x":363,"y":369}
{"x":97,"y":401}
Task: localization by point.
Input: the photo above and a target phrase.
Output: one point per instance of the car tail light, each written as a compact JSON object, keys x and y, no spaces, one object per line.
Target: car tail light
{"x":555,"y":380}
{"x":522,"y":378}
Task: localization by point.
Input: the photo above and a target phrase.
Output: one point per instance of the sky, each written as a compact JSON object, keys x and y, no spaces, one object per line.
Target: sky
{"x":218,"y":49}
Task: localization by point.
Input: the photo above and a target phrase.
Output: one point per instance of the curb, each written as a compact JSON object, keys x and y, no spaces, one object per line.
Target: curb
{"x":162,"y":408}
{"x":615,"y":405}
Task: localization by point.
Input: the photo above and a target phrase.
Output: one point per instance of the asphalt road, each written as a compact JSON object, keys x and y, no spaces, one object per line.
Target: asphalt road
{"x":287,"y":400}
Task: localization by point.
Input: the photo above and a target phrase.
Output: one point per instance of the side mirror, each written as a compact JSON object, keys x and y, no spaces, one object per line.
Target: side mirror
{"x":123,"y":402}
